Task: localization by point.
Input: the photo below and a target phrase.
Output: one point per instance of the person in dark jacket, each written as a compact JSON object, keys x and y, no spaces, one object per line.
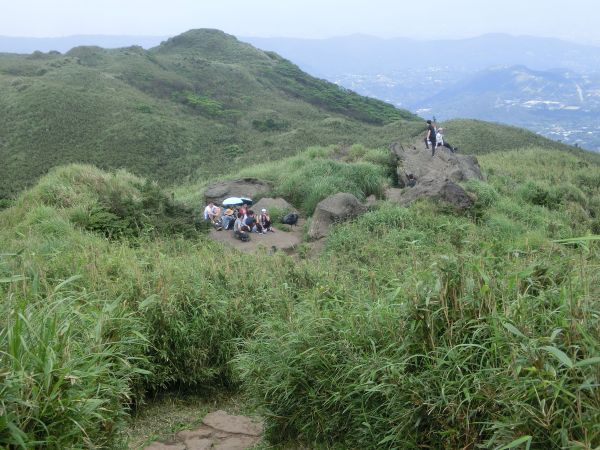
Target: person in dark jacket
{"x":431,"y":136}
{"x":252,"y":223}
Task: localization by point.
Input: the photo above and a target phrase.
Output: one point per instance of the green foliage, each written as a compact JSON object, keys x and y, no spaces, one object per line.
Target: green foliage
{"x":271,"y":124}
{"x":68,"y":364}
{"x":170,"y":113}
{"x":308,"y":178}
{"x":291,"y":79}
{"x":413,"y":328}
{"x":115,"y":206}
{"x":449,"y":340}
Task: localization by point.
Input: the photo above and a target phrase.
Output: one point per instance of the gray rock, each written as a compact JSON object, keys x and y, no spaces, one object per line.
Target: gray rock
{"x":198,"y":444}
{"x":222,"y":421}
{"x":273,"y":203}
{"x":200,"y":432}
{"x":162,"y":446}
{"x":237,"y":443}
{"x":337,"y":208}
{"x":445,"y":164}
{"x":441,"y":189}
{"x":434,"y":177}
{"x":245,"y":187}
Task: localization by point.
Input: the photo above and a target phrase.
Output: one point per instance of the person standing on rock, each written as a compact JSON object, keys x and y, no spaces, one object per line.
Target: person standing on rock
{"x":431,"y":133}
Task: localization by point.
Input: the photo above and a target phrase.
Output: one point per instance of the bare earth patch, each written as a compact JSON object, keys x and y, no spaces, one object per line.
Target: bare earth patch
{"x":286,"y":241}
{"x":219,"y":431}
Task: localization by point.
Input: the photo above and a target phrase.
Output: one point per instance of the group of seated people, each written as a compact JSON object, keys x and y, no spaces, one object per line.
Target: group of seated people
{"x":239,"y":219}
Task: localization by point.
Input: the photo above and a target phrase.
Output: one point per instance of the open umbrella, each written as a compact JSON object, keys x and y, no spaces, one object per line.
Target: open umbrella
{"x":237,"y":201}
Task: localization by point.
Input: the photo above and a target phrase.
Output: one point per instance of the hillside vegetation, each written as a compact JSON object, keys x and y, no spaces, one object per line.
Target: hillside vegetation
{"x":416,"y":326}
{"x":199,"y":104}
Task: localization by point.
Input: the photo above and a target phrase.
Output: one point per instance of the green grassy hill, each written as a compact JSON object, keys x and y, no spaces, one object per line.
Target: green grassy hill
{"x":200,"y":103}
{"x":415,"y":327}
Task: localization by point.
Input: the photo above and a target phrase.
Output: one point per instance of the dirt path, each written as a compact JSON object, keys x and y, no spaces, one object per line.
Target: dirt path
{"x":219,"y":431}
{"x":287,"y":241}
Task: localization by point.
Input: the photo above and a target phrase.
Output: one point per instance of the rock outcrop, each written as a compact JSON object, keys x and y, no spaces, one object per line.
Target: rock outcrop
{"x":334,"y":209}
{"x":441,"y":189}
{"x":422,"y":176}
{"x":445,"y":164}
{"x":245,"y":187}
{"x":219,"y":431}
{"x":273,"y":203}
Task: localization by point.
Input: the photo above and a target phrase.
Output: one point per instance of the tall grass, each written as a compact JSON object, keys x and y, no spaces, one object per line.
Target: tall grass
{"x":310,"y":177}
{"x":446,"y":342}
{"x":67,"y":368}
{"x":414,"y":328}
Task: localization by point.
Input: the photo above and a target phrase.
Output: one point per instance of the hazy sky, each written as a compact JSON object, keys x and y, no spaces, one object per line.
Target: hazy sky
{"x":567,"y":19}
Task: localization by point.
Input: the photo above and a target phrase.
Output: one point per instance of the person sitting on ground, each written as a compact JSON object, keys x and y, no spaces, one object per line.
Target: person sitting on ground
{"x":411,"y":180}
{"x":209,"y":212}
{"x":228,"y":219}
{"x":244,"y":211}
{"x":253,"y":223}
{"x":431,"y":136}
{"x":212,"y":213}
{"x":440,"y":141}
{"x":265,"y":221}
{"x":240,"y":229}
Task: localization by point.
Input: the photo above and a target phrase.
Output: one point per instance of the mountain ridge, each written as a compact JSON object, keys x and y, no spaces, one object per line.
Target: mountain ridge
{"x":192,"y":106}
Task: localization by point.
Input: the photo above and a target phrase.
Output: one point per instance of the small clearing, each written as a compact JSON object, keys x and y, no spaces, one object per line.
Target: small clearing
{"x":286,"y":241}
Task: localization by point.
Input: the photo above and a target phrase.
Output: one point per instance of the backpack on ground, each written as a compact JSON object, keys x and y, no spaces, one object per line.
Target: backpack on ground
{"x":290,"y":219}
{"x":242,"y":236}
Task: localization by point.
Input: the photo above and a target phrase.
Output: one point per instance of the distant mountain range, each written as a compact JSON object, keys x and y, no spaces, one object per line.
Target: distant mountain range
{"x":10,"y":44}
{"x":198,"y":104}
{"x":370,"y":55}
{"x":549,"y":86}
{"x":559,"y":104}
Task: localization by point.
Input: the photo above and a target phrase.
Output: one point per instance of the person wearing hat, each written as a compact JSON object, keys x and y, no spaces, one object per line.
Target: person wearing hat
{"x":265,"y":220}
{"x":228,"y":219}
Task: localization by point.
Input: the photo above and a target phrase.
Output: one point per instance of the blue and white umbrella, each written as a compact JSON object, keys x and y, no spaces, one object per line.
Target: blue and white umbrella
{"x":237,"y":201}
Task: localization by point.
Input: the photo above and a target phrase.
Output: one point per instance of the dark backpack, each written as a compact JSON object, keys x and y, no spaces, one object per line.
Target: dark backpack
{"x":290,"y":219}
{"x":244,"y":237}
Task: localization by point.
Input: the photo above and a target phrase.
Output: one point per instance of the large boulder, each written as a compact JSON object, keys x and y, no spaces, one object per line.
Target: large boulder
{"x":441,"y":189}
{"x":421,"y":175}
{"x":337,"y":208}
{"x":273,"y":203}
{"x":245,"y":187}
{"x":419,"y":163}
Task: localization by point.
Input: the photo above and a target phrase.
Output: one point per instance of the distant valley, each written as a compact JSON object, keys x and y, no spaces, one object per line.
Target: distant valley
{"x":548,"y":86}
{"x":558,"y":104}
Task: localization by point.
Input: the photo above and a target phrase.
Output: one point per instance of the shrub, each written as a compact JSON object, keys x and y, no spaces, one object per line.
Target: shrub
{"x":441,"y":367}
{"x":270,"y":124}
{"x":538,"y":194}
{"x":307,"y":179}
{"x":67,"y":367}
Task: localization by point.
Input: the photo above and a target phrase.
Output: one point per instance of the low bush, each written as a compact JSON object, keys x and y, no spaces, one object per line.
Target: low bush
{"x":308,"y":178}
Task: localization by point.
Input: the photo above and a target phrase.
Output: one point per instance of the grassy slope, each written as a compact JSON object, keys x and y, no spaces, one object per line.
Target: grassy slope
{"x":201,"y":103}
{"x":402,"y":338}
